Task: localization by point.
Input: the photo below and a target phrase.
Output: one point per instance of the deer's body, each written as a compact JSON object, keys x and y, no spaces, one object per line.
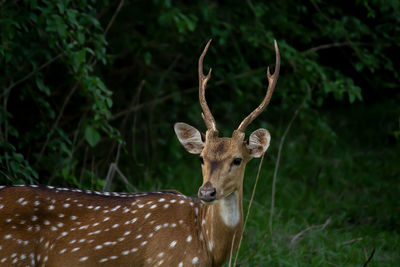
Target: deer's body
{"x":47,"y":226}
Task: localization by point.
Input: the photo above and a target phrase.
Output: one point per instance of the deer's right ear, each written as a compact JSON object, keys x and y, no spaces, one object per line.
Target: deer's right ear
{"x":189,"y":137}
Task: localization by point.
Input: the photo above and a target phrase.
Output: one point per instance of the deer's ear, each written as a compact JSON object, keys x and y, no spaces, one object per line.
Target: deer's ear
{"x":258,"y":142}
{"x":189,"y":137}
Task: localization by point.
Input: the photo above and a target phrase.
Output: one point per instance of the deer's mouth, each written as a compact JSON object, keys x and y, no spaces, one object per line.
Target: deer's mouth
{"x":209,"y":202}
{"x":214,"y":201}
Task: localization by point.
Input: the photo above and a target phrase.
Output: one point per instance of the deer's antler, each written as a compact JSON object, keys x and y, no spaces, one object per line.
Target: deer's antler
{"x":207,"y":116}
{"x":272,"y":79}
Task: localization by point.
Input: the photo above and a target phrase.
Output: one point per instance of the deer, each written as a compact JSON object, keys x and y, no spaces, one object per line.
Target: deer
{"x":56,"y":226}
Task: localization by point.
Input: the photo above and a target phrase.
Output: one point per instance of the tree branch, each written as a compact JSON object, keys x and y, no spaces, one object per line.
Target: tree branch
{"x":30,"y":74}
{"x":171,"y":95}
{"x":110,"y":23}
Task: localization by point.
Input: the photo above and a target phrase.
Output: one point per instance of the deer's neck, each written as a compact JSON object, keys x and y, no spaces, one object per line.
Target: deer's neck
{"x":222,"y":225}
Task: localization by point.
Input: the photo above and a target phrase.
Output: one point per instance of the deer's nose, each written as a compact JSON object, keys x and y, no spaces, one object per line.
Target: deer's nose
{"x":207,"y":192}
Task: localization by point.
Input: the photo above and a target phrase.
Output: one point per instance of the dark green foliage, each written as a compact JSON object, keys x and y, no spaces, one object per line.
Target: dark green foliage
{"x":80,"y":90}
{"x":52,"y":98}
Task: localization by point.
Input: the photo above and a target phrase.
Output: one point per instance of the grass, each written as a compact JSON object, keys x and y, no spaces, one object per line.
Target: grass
{"x":344,"y":202}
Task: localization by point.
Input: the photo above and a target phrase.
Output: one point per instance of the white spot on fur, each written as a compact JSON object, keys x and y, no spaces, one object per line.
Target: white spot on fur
{"x":83,"y":258}
{"x":172,"y":244}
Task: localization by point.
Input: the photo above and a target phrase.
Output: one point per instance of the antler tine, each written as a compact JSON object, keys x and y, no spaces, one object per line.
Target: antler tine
{"x":272,"y":79}
{"x":207,"y":116}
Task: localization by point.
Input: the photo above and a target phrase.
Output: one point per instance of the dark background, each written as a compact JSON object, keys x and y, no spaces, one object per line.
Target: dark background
{"x":90,"y":91}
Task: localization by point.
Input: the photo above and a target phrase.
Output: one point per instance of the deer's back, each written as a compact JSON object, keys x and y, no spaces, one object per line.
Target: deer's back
{"x":70,"y":227}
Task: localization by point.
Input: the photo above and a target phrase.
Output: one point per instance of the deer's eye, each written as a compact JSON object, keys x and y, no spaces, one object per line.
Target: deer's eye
{"x":201,"y":160}
{"x":237,"y":161}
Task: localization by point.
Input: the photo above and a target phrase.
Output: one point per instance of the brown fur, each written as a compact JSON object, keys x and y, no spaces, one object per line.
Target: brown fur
{"x":41,"y":226}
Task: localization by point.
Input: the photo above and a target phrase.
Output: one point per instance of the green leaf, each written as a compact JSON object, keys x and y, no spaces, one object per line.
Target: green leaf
{"x":92,"y":136}
{"x":147,"y":58}
{"x":61,"y":7}
{"x":42,"y":87}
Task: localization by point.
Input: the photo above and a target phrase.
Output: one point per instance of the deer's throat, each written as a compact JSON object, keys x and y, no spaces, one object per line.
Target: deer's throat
{"x":229,"y":209}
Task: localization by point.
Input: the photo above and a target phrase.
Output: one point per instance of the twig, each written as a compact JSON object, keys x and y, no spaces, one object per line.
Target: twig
{"x":92,"y":170}
{"x":312,"y":227}
{"x":370,"y":258}
{"x":152,"y":102}
{"x":278,"y":160}
{"x":232,"y":245}
{"x":350,"y":44}
{"x":134,"y":152}
{"x":83,"y":166}
{"x":110,"y":23}
{"x":6,"y":93}
{"x":351,"y":241}
{"x":111,"y":170}
{"x":5,"y":102}
{"x":60,"y":114}
{"x":326,"y":46}
{"x":133,"y":101}
{"x":30,"y":74}
{"x":109,"y":177}
{"x":93,"y":61}
{"x":125,"y":119}
{"x":124,"y":179}
{"x":248,"y":208}
{"x":114,"y":168}
{"x":187,"y":91}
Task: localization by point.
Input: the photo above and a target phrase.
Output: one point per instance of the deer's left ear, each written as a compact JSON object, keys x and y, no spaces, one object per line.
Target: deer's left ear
{"x":189,"y":137}
{"x":258,"y":142}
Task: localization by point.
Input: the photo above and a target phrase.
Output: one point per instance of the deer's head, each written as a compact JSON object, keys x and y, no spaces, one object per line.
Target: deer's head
{"x":224,"y":159}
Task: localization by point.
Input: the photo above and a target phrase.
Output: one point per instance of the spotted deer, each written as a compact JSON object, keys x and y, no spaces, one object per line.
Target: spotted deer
{"x":54,"y":226}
